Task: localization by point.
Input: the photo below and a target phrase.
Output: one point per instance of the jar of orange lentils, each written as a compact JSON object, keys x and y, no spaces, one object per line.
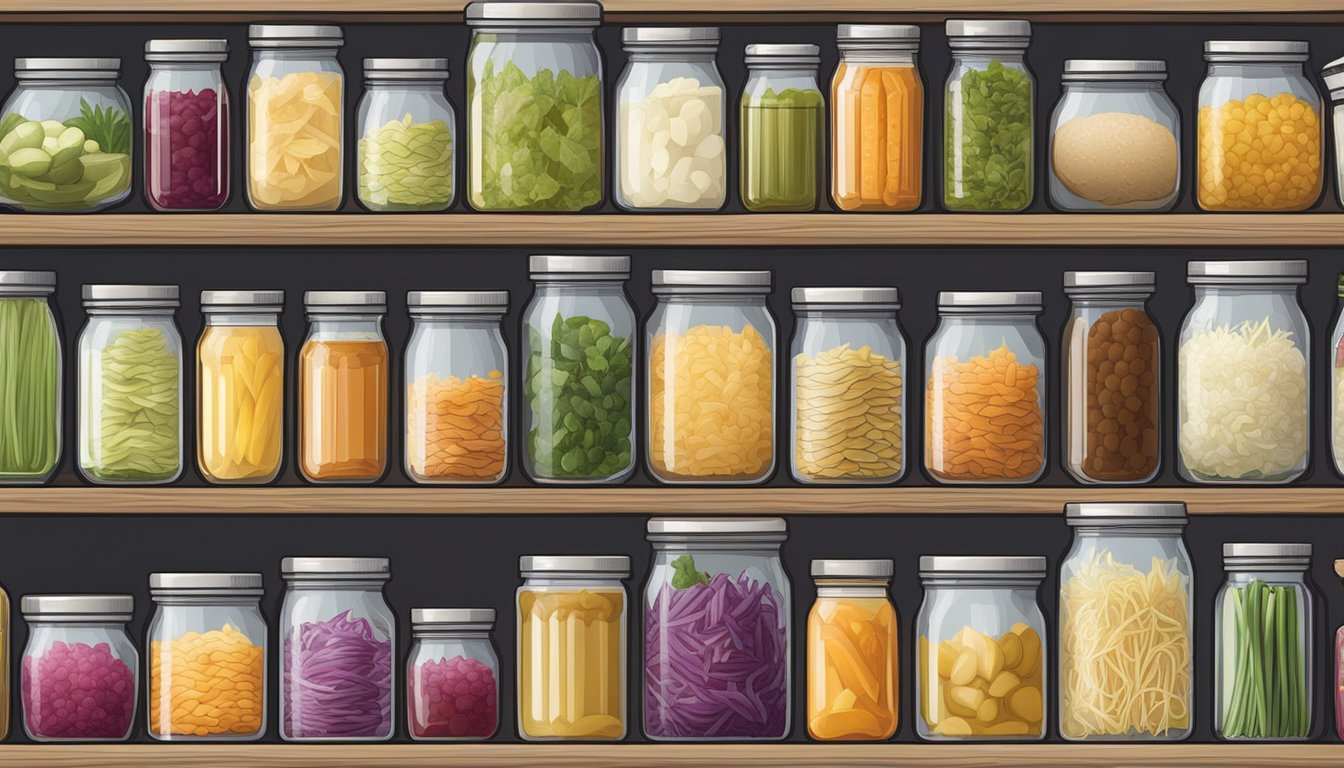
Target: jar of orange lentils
{"x":984,"y":414}
{"x":1260,"y":129}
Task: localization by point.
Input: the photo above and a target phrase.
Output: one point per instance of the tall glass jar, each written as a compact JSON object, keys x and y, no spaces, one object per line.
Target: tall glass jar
{"x":295,"y":118}
{"x":1333,"y":75}
{"x":452,"y":675}
{"x":130,"y":385}
{"x":187,"y":133}
{"x":338,"y":637}
{"x":343,"y":380}
{"x":1265,"y":646}
{"x":65,"y":136}
{"x":30,"y":352}
{"x":407,"y":136}
{"x":853,"y":691}
{"x":982,"y":649}
{"x":670,"y":128}
{"x":1337,"y":383}
{"x":579,"y":391}
{"x":240,"y":387}
{"x":6,"y":630}
{"x":207,"y":648}
{"x":457,"y":423}
{"x":571,"y":647}
{"x":1243,"y":377}
{"x":717,"y":622}
{"x":1260,"y":131}
{"x":1115,"y":138}
{"x":711,"y":377}
{"x":1112,"y":364}
{"x":877,"y":119}
{"x":78,"y":649}
{"x":544,"y":55}
{"x":1126,"y":625}
{"x":989,"y":126}
{"x":984,"y":410}
{"x":782,"y":114}
{"x":847,"y":383}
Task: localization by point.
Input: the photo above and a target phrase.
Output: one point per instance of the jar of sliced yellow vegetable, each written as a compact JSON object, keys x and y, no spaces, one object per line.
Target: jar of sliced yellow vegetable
{"x":852,"y":661}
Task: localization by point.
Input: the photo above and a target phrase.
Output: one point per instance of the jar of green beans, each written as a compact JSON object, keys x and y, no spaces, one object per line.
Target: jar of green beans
{"x":30,"y":367}
{"x":1265,"y":643}
{"x":130,"y":385}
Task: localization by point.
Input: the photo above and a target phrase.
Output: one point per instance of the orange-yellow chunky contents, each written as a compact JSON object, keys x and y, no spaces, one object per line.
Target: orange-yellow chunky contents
{"x":1261,"y":154}
{"x":206,"y":684}
{"x":240,"y":377}
{"x":571,"y":664}
{"x":877,"y":127}
{"x":978,"y":684}
{"x":983,"y":418}
{"x":455,"y":427}
{"x":851,"y":669}
{"x":294,"y":141}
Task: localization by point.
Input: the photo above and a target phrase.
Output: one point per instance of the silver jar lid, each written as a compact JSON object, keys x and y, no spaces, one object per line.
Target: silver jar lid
{"x":982,"y":566}
{"x":336,"y":568}
{"x":205,"y":585}
{"x":179,"y":50}
{"x":104,"y":296}
{"x":431,"y":619}
{"x":842,"y":298}
{"x":853,"y":569}
{"x":990,"y":301}
{"x":1255,"y":556}
{"x":1334,"y":75}
{"x":27,"y":281}
{"x":1257,"y":272}
{"x":987,"y":34}
{"x":783,"y":55}
{"x":1256,"y":50}
{"x":579,"y":267}
{"x":406,"y":69}
{"x":614,"y":566}
{"x":524,"y":14}
{"x":1082,"y":283}
{"x":721,"y":529}
{"x":670,"y":37}
{"x":92,"y":609}
{"x":242,"y":302}
{"x":457,"y":302}
{"x":1101,"y":70}
{"x":885,"y":37}
{"x":692,"y":281}
{"x":345,"y":302}
{"x":295,"y":36}
{"x":1125,"y":513}
{"x":48,"y":68}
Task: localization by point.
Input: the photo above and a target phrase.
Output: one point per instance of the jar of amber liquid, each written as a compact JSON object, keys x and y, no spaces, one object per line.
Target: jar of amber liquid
{"x":852,"y":664}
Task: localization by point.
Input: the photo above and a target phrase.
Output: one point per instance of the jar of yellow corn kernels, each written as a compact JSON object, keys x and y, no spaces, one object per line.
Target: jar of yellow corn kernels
{"x":1259,"y":129}
{"x":711,"y":377}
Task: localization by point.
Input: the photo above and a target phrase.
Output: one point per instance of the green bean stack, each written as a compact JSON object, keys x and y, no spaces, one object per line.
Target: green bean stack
{"x":1264,"y":693}
{"x":30,"y":406}
{"x":138,"y":421}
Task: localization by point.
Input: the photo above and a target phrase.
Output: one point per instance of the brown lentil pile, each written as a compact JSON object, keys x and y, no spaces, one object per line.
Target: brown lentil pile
{"x":1122,"y":397}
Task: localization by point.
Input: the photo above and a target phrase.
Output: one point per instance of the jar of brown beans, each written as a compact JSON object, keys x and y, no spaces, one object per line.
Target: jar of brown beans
{"x":1112,"y":358}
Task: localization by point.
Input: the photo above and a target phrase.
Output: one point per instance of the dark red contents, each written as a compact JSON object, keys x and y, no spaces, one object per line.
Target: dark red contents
{"x":452,"y":699}
{"x":187,"y":149}
{"x":78,"y":691}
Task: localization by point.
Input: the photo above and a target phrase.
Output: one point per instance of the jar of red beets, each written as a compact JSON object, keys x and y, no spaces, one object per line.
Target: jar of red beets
{"x":186,"y":125}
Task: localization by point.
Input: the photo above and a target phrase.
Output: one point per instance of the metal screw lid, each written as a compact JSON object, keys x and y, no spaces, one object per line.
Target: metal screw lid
{"x":60,"y":68}
{"x":347,"y":302}
{"x":1011,"y":566}
{"x":716,"y":526}
{"x":1256,"y":50}
{"x":99,"y":609}
{"x":579,"y":267}
{"x":1260,"y":271}
{"x":670,"y":36}
{"x":990,"y":301}
{"x":853,"y":569}
{"x":556,"y":14}
{"x":783,"y":54}
{"x":215,"y":49}
{"x":1125,"y":513}
{"x":213,"y":584}
{"x":243,"y":302}
{"x":1334,"y":74}
{"x":840,"y":298}
{"x":27,"y":281}
{"x":295,"y":36}
{"x":987,"y":34}
{"x":1090,"y":70}
{"x":892,"y":37}
{"x":1077,"y":283}
{"x":130,"y":296}
{"x":447,"y":618}
{"x":666,"y":281}
{"x":458,"y":302}
{"x":406,"y":69}
{"x":1250,"y":556}
{"x":354,"y":568}
{"x":574,"y":565}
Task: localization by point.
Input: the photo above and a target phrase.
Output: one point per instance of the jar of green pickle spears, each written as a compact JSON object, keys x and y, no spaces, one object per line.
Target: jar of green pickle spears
{"x":782,"y":118}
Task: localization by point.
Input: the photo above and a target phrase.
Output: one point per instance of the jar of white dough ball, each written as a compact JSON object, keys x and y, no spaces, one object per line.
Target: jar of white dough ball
{"x":669,"y":127}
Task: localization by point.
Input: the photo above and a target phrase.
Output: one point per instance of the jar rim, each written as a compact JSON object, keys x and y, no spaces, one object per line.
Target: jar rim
{"x":573,"y":267}
{"x":553,"y":14}
{"x":1101,"y":70}
{"x":89,"y":609}
{"x":428,"y":70}
{"x":1253,"y":272}
{"x":1008,"y":567}
{"x":63,"y":68}
{"x":345,"y":302}
{"x":186,"y":50}
{"x":674,"y":36}
{"x":853,"y":569}
{"x":692,"y":281}
{"x":128,"y":296}
{"x":783,"y":54}
{"x":429,"y":619}
{"x":693,"y":527}
{"x":1251,"y":51}
{"x":865,"y":298}
{"x":574,"y":566}
{"x":27,"y":281}
{"x":1256,"y":556}
{"x":1126,"y":514}
{"x":1024,"y":302}
{"x":336,"y":568}
{"x":243,"y":302}
{"x":457,"y":302}
{"x":1080,"y":283}
{"x":295,"y":36}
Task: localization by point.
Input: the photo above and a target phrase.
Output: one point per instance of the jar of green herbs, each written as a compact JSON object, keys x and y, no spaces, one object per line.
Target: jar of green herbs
{"x":30,"y":367}
{"x":782,"y":118}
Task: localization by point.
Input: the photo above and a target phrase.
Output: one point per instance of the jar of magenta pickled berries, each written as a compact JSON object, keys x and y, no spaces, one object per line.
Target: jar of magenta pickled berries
{"x":186,"y":125}
{"x":452,"y":675}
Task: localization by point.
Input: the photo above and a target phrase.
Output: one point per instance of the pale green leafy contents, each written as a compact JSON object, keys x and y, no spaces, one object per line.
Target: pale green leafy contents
{"x":987,"y":140}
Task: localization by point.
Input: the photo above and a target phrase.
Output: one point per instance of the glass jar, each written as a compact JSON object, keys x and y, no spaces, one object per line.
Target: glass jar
{"x":989,"y":127}
{"x":240,"y":387}
{"x":853,"y":667}
{"x":407,"y":136}
{"x":337,"y":636}
{"x":78,"y":650}
{"x":452,"y":675}
{"x":1112,"y":364}
{"x":781,"y":124}
{"x":571,"y":648}
{"x":130,"y":385}
{"x":65,"y":136}
{"x":1337,"y":384}
{"x":30,"y":351}
{"x":1242,"y":374}
{"x":982,"y":649}
{"x":670,"y":129}
{"x":343,"y":381}
{"x":295,"y":118}
{"x":877,"y":119}
{"x":1265,"y":646}
{"x":579,"y":344}
{"x":848,"y":386}
{"x":6,"y":629}
{"x":985,"y":334}
{"x":711,"y":377}
{"x":539,"y":54}
{"x":206,"y":648}
{"x":187,"y":154}
{"x":1126,"y":625}
{"x":457,"y":421}
{"x":1333,"y":75}
{"x":718,"y":620}
{"x":1115,"y":138}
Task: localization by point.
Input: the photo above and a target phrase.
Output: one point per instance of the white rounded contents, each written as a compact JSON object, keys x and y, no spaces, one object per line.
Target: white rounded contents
{"x":672,"y":152}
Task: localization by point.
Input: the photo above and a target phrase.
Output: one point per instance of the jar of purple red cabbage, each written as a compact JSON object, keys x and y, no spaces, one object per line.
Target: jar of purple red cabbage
{"x":186,"y":125}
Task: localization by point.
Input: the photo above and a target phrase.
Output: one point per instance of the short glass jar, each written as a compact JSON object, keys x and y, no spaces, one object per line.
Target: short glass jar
{"x":847,"y":382}
{"x":782,"y":127}
{"x":671,"y":122}
{"x":1113,"y":382}
{"x":452,"y":675}
{"x":343,"y":381}
{"x":571,"y":643}
{"x":30,"y":349}
{"x":65,"y":136}
{"x":711,"y":377}
{"x":457,"y":421}
{"x":1333,"y":75}
{"x":187,"y":132}
{"x":853,"y":666}
{"x":717,"y":620}
{"x":1260,"y":132}
{"x":338,"y":637}
{"x":1243,"y":374}
{"x":206,"y":645}
{"x":579,"y":392}
{"x":1115,"y":138}
{"x":295,"y":118}
{"x":78,"y":649}
{"x":981,"y":672}
{"x":984,"y":411}
{"x":541,"y":53}
{"x":1126,"y":625}
{"x":407,"y":154}
{"x":130,"y":385}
